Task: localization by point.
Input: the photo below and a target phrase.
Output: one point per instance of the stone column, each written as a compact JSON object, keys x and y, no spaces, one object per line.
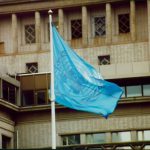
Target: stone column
{"x":84,"y":26}
{"x":108,"y":24}
{"x":0,"y":140}
{"x":61,"y":22}
{"x":38,"y":30}
{"x":14,"y":33}
{"x":132,"y":20}
{"x":148,"y":14}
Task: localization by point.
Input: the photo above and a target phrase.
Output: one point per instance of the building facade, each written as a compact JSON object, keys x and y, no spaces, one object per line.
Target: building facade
{"x":112,"y":35}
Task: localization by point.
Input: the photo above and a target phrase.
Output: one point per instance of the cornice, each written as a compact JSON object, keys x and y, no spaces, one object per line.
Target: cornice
{"x":17,"y":6}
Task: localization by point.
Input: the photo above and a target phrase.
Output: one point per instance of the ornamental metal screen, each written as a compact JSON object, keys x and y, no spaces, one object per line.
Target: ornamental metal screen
{"x":30,"y":34}
{"x":104,"y":60}
{"x":76,"y":29}
{"x":32,"y":67}
{"x":99,"y":24}
{"x":124,"y":23}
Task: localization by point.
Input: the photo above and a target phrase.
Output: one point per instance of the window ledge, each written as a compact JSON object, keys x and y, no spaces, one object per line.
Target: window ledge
{"x":135,"y":100}
{"x":8,"y":105}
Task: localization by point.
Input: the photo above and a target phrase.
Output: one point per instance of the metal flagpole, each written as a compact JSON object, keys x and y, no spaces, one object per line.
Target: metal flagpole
{"x":53,"y":120}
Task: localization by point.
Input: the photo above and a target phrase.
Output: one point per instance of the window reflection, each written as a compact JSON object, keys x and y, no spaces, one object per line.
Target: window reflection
{"x":121,"y":137}
{"x":96,"y":138}
{"x":146,"y":90}
{"x":71,"y":139}
{"x":134,"y":91}
{"x":144,"y":135}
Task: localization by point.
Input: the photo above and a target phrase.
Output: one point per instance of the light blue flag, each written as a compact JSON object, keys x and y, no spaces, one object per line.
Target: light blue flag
{"x":78,"y":85}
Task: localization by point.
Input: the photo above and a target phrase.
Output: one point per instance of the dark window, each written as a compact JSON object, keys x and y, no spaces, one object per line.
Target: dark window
{"x":30,"y":34}
{"x":32,"y":67}
{"x":76,"y":29}
{"x":99,"y":24}
{"x":104,"y":60}
{"x":71,"y":139}
{"x":28,"y":98}
{"x":41,"y":97}
{"x":5,"y":142}
{"x":124,"y":23}
{"x":9,"y":92}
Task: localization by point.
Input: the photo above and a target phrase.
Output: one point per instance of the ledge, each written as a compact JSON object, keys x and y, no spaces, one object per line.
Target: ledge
{"x":16,"y":108}
{"x":134,"y":100}
{"x":8,"y":105}
{"x":132,"y":145}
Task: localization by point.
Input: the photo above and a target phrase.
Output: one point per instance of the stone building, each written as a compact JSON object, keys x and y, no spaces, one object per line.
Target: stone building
{"x":112,"y":35}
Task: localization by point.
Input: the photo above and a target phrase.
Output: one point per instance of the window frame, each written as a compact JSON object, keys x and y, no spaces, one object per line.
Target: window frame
{"x":75,"y":38}
{"x":67,"y":140}
{"x":93,"y":26}
{"x":126,"y":13}
{"x":31,"y":63}
{"x":29,"y":24}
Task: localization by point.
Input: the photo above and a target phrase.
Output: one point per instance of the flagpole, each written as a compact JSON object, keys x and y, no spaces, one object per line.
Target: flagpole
{"x":53,"y":119}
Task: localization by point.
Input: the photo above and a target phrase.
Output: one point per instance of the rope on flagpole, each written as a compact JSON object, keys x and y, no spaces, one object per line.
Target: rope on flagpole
{"x":53,"y":119}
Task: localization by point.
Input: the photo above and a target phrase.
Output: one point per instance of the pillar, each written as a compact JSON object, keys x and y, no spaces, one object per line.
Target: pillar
{"x":84,"y":26}
{"x":61,"y":22}
{"x":38,"y":30}
{"x":132,"y":20}
{"x":108,"y":24}
{"x":14,"y":33}
{"x":148,"y":14}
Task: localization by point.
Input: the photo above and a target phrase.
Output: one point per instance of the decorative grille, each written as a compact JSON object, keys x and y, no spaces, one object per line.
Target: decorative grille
{"x":32,"y":67}
{"x":104,"y":60}
{"x":30,"y":33}
{"x":99,"y":23}
{"x":124,"y":23}
{"x":76,"y":29}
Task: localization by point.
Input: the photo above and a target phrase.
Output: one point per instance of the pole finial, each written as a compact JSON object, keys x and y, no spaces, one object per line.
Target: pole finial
{"x":50,"y":11}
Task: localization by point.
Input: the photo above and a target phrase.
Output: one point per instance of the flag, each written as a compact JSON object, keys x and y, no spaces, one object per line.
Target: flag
{"x":78,"y":85}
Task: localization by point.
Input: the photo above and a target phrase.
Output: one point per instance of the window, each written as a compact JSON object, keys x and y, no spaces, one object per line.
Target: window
{"x":30,"y":34}
{"x":121,"y":136}
{"x":99,"y":25}
{"x":32,"y":97}
{"x":9,"y":92}
{"x":144,"y":135}
{"x":5,"y":142}
{"x":76,"y":29}
{"x":28,"y":98}
{"x":146,"y":90}
{"x":71,"y":139}
{"x":134,"y":91}
{"x":104,"y":60}
{"x":124,"y":23}
{"x":95,"y":138}
{"x":41,"y":97}
{"x":32,"y":67}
